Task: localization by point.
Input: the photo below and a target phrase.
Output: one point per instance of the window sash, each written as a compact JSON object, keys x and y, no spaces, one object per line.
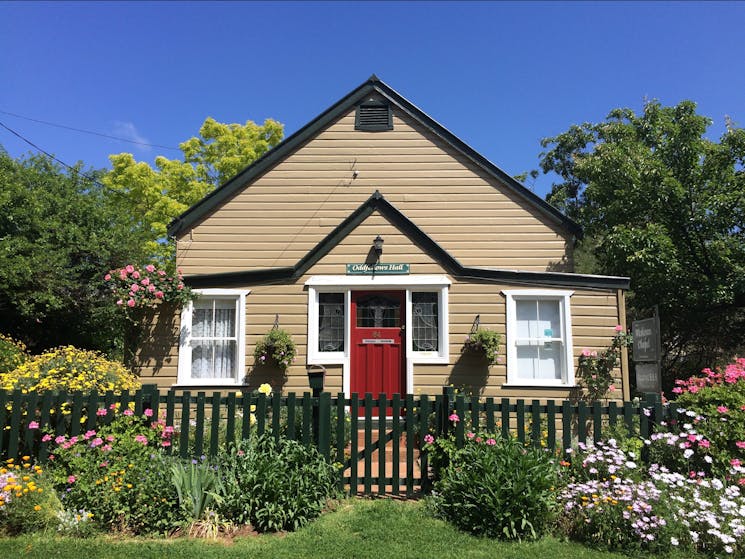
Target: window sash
{"x":425,"y":321}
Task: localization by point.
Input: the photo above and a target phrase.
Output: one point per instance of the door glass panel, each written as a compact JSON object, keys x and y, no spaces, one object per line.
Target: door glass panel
{"x":378,"y":311}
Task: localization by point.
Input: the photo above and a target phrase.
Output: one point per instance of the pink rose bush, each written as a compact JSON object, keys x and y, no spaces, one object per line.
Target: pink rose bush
{"x":595,"y":369}
{"x":136,"y":288}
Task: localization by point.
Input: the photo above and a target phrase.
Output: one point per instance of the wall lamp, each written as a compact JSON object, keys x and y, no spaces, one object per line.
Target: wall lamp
{"x":378,"y":246}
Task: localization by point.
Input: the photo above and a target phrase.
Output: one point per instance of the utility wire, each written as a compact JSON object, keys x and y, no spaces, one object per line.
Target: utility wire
{"x":37,"y":148}
{"x":88,"y":131}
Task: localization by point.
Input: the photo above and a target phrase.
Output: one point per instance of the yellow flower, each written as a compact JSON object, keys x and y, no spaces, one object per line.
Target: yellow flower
{"x":265,"y":389}
{"x":37,"y":508}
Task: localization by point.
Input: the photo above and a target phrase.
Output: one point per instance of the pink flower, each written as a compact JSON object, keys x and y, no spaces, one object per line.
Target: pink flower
{"x":71,"y":479}
{"x":141,"y":439}
{"x":735,"y":462}
{"x":150,"y":268}
{"x":134,"y":288}
{"x":161,"y":273}
{"x":241,"y":453}
{"x":131,"y":303}
{"x":470,"y":435}
{"x":123,"y":275}
{"x":98,"y":441}
{"x":429,"y":439}
{"x":619,"y":328}
{"x":120,"y":302}
{"x":33,"y":425}
{"x":586,"y":352}
{"x":165,"y":444}
{"x":110,"y":438}
{"x":704,"y":443}
{"x":106,"y":447}
{"x":454,"y":418}
{"x":612,"y":388}
{"x":180,"y":286}
{"x":89,"y":434}
{"x":101,"y":412}
{"x":107,"y":277}
{"x":146,"y":281}
{"x":677,"y":390}
{"x":136,"y":275}
{"x":73,"y":440}
{"x":148,"y":412}
{"x":59,"y":439}
{"x":46,"y":438}
{"x":722,"y":409}
{"x":128,"y":412}
{"x":491,"y":442}
{"x":740,"y":444}
{"x":129,"y":268}
{"x":158,"y":294}
{"x":151,"y":289}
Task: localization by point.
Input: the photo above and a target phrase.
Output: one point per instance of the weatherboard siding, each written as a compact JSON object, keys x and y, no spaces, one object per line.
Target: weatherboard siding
{"x":276,"y":220}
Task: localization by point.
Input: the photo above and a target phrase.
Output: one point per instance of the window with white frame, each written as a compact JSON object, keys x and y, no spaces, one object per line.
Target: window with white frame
{"x":539,"y":338}
{"x":212,"y":348}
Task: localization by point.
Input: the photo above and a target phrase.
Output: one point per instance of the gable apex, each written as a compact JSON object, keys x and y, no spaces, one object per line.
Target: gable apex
{"x":376,"y":87}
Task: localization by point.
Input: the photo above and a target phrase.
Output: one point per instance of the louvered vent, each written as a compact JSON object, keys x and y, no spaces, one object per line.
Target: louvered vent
{"x":373,"y":117}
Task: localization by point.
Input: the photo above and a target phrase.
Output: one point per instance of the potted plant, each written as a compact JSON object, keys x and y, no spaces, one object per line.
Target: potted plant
{"x":275,"y":347}
{"x":484,"y":341}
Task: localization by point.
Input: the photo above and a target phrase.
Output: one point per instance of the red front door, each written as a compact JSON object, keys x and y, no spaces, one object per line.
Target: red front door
{"x":377,"y":362}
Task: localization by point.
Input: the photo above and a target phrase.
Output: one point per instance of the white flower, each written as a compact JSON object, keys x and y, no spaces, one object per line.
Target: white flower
{"x":688,"y":453}
{"x":674,"y":541}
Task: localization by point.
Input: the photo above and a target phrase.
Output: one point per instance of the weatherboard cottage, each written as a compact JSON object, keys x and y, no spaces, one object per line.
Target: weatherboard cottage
{"x":379,"y":240}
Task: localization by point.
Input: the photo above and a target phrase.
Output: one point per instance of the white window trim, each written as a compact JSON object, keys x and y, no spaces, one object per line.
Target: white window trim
{"x":347,"y":284}
{"x":184,"y":352}
{"x":563,"y":297}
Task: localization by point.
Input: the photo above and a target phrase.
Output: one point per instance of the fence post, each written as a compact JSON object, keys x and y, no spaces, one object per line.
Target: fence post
{"x":448,"y":394}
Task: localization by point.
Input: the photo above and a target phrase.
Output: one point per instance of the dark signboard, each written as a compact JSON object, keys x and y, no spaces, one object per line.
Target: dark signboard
{"x":648,"y":377}
{"x":645,"y":339}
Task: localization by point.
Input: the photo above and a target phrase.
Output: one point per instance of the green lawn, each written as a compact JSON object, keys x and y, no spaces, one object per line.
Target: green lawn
{"x":357,"y":529}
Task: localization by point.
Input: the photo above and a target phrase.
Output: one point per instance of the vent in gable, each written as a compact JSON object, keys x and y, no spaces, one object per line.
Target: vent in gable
{"x":373,"y":116}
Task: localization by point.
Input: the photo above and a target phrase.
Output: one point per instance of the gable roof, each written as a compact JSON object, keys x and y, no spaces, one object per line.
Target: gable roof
{"x":293,"y":142}
{"x":377,"y":202}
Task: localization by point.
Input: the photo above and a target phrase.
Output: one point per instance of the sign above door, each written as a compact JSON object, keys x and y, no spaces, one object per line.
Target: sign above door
{"x":379,"y":268}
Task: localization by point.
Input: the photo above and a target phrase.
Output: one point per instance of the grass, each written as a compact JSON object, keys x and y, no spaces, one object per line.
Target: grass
{"x":357,"y":529}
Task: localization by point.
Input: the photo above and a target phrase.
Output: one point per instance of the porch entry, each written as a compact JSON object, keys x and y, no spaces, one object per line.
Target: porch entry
{"x":377,"y":343}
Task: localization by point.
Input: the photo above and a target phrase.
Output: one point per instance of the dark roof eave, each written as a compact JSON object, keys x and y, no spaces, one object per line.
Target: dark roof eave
{"x":304,"y":134}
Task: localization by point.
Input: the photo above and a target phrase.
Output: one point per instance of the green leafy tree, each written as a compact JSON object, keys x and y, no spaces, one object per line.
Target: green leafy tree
{"x":59,"y":233}
{"x":152,"y":196}
{"x":665,"y":205}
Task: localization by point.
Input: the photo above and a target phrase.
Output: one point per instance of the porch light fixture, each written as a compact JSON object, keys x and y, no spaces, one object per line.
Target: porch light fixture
{"x":378,"y":246}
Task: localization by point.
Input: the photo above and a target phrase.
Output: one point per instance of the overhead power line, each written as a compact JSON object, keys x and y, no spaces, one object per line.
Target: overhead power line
{"x":49,"y":155}
{"x":82,"y":131}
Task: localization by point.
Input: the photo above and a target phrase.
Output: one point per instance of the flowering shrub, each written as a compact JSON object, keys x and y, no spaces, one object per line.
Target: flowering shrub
{"x":495,"y":487}
{"x":275,"y":484}
{"x":712,"y":406}
{"x":12,"y":354}
{"x":69,"y":369}
{"x":27,"y":502}
{"x":119,"y":473}
{"x":612,"y":501}
{"x":135,"y":287}
{"x":484,"y":341}
{"x":275,"y":347}
{"x":595,"y":370}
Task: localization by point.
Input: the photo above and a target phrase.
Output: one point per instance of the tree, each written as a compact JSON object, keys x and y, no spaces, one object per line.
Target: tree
{"x":59,"y":233}
{"x":152,"y":197}
{"x":663,"y":204}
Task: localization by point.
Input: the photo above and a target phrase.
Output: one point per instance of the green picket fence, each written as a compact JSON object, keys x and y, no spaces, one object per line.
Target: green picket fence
{"x":378,"y":452}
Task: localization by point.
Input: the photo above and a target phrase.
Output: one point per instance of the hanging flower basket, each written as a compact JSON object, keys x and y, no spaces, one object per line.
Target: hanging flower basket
{"x":485,"y":342}
{"x":275,"y":348}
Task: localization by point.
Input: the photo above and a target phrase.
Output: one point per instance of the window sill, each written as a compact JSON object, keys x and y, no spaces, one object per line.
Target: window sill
{"x":207,"y":385}
{"x":513,"y":385}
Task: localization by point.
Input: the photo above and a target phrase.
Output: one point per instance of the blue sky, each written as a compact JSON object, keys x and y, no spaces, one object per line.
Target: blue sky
{"x":499,"y":75}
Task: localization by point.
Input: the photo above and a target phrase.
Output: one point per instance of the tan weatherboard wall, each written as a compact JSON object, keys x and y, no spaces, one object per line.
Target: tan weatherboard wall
{"x":595,"y":313}
{"x":287,"y":211}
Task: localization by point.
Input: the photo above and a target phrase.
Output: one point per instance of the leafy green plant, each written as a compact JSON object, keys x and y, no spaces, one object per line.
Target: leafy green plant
{"x":595,"y":370}
{"x":198,"y":487}
{"x":12,"y":354}
{"x":484,"y":341}
{"x":275,"y":347}
{"x":498,"y":488}
{"x":275,"y":484}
